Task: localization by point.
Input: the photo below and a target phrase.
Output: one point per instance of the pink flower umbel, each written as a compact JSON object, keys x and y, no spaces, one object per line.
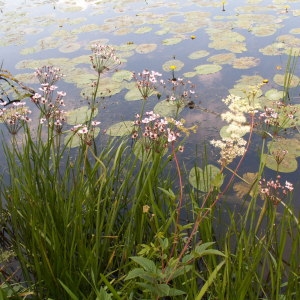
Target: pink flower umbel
{"x":15,"y":116}
{"x":104,"y":58}
{"x":274,"y":190}
{"x":157,"y":133}
{"x":146,"y":82}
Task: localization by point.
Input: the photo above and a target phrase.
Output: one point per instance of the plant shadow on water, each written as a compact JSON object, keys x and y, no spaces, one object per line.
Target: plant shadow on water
{"x":180,"y":197}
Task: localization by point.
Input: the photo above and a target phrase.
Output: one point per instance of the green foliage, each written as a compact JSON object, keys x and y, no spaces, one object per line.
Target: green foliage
{"x":104,"y":222}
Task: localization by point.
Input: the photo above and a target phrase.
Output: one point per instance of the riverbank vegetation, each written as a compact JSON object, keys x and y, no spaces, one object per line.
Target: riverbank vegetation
{"x":89,"y":215}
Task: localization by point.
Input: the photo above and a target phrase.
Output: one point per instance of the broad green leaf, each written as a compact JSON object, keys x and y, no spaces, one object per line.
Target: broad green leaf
{"x":120,"y":128}
{"x":80,"y":115}
{"x":145,"y":263}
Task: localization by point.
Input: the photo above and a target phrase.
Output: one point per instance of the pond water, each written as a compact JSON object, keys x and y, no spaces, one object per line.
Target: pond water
{"x":214,"y":44}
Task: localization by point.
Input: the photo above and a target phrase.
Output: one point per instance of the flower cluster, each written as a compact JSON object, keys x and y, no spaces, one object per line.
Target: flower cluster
{"x":146,"y":82}
{"x":179,"y":91}
{"x":158,"y":133}
{"x":276,"y":118}
{"x":15,"y":116}
{"x":234,"y":145}
{"x":274,"y":191}
{"x":50,"y":104}
{"x":48,"y":74}
{"x":230,"y":149}
{"x":86,"y":133}
{"x":104,"y":58}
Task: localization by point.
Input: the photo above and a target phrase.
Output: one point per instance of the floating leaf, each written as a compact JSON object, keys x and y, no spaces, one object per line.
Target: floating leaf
{"x":222,"y":58}
{"x":198,"y":54}
{"x":189,"y":74}
{"x":168,"y":108}
{"x":80,"y":115}
{"x":291,"y":145}
{"x":143,"y":29}
{"x":145,"y":48}
{"x":70,"y":47}
{"x":280,"y":79}
{"x":203,"y":180}
{"x":207,"y":69}
{"x":121,"y":75}
{"x":242,"y":188}
{"x":133,"y":94}
{"x":120,"y":129}
{"x":168,"y":65}
{"x":73,"y":140}
{"x":142,"y":154}
{"x":288,"y":165}
{"x":245,"y":62}
{"x":274,"y":94}
{"x":227,"y":131}
{"x":172,"y":41}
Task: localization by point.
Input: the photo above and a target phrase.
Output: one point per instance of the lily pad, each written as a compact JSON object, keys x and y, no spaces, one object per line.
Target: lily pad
{"x":133,"y":94}
{"x":245,"y":62}
{"x":288,"y":165}
{"x":280,"y":79}
{"x":203,"y":180}
{"x":291,"y":145}
{"x":207,"y":69}
{"x":274,"y":94}
{"x":222,"y":58}
{"x":145,"y":48}
{"x":168,"y":65}
{"x":228,"y":131}
{"x":145,"y":155}
{"x":80,"y":115}
{"x":74,"y":140}
{"x":169,"y":108}
{"x":143,"y":29}
{"x":190,"y":74}
{"x":172,"y":41}
{"x":120,"y":129}
{"x":243,"y":188}
{"x":121,"y":75}
{"x":198,"y":54}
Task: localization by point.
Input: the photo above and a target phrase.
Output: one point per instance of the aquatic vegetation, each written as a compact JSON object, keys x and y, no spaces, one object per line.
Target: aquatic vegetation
{"x":136,"y":207}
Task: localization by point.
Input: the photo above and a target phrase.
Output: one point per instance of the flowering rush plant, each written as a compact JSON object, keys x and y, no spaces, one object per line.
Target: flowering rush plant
{"x":159,"y":133}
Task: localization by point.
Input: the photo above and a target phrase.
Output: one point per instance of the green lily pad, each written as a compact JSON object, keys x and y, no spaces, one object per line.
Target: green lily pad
{"x":243,"y":188}
{"x":280,"y":79}
{"x":189,"y":74}
{"x":222,"y":58}
{"x":207,"y":69}
{"x":227,"y":131}
{"x":80,"y":115}
{"x":133,"y":94}
{"x":203,"y":180}
{"x":121,"y":75}
{"x":120,"y":129}
{"x":274,"y":94}
{"x":143,"y":29}
{"x":145,"y":48}
{"x":291,"y":145}
{"x":288,"y":165}
{"x":167,"y":108}
{"x":198,"y":54}
{"x":173,"y":64}
{"x":145,"y":155}
{"x":172,"y":41}
{"x":245,"y":62}
{"x":74,"y":140}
